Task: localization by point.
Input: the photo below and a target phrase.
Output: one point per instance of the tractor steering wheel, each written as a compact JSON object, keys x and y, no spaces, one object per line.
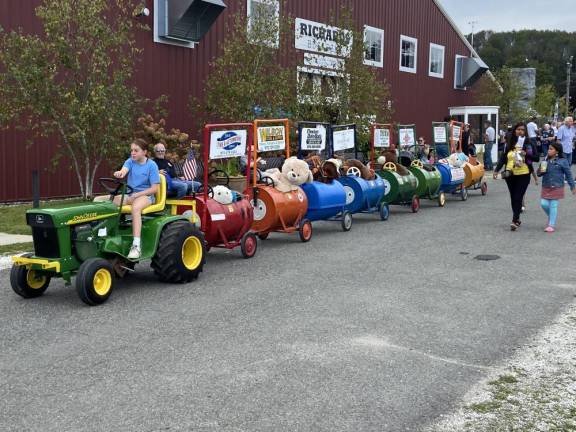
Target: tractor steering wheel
{"x":106,"y":182}
{"x":354,"y":171}
{"x":417,"y":163}
{"x":223,"y":174}
{"x":390,"y":166}
{"x":201,"y":190}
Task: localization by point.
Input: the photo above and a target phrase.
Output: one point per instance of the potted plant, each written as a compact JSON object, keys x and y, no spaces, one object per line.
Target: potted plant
{"x":231,"y":167}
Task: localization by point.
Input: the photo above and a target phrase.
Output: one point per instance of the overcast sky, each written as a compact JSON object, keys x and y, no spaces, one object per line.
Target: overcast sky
{"x":506,"y":15}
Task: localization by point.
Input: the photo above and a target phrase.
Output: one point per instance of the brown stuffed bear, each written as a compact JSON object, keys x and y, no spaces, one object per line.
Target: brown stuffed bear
{"x":365,"y":172}
{"x":331,"y":170}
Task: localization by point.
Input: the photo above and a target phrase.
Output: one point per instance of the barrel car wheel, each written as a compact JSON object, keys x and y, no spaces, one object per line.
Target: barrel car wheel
{"x":305,"y":230}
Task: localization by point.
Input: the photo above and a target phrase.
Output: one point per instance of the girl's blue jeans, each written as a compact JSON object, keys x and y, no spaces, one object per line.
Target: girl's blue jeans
{"x":551,"y":209}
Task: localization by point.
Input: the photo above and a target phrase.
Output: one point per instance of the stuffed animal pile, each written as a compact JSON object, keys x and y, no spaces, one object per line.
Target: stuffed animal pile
{"x":455,"y":160}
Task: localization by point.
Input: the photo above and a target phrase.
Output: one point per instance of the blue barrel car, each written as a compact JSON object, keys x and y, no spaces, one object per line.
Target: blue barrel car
{"x":452,"y":180}
{"x":365,"y":196}
{"x":327,"y":201}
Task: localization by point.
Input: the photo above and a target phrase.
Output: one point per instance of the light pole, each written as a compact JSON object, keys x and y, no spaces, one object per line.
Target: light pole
{"x":568,"y":71}
{"x":472,"y":23}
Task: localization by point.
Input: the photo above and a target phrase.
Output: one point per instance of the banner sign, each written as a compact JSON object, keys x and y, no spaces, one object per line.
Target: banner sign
{"x":227,"y":144}
{"x":382,"y":137}
{"x":318,"y":37}
{"x":271,"y":138}
{"x":343,"y":139}
{"x":313,"y":138}
{"x":406,"y":136}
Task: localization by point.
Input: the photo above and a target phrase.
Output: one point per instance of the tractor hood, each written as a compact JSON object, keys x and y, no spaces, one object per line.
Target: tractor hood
{"x":70,"y":215}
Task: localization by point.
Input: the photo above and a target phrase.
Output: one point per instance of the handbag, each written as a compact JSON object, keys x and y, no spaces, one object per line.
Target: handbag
{"x":506,"y":174}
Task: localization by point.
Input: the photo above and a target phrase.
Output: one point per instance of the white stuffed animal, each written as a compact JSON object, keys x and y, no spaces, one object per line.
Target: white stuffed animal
{"x":381,"y":160}
{"x":295,"y":172}
{"x":222,"y":194}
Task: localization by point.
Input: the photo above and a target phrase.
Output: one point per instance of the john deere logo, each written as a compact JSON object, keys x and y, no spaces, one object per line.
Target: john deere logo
{"x":229,"y":141}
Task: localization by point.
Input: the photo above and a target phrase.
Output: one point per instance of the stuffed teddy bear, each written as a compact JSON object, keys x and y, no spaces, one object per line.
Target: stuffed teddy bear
{"x":222,"y":194}
{"x":365,"y":172}
{"x":294,"y":173}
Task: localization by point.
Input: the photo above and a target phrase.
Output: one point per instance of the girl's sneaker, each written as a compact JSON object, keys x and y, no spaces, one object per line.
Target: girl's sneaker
{"x":549,"y":229}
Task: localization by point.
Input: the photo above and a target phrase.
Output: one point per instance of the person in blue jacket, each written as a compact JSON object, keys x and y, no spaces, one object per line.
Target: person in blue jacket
{"x":554,"y":170}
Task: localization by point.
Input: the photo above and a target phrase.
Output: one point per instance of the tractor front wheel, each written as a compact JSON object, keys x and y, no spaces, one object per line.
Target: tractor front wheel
{"x":181,"y":253}
{"x":95,"y":281}
{"x":28,"y":283}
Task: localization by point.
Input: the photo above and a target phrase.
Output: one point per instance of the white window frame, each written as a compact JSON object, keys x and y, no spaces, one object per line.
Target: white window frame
{"x":456,"y":72}
{"x":158,"y":39}
{"x":381,"y":33}
{"x":415,"y":42}
{"x":434,"y":46}
{"x":276,"y":3}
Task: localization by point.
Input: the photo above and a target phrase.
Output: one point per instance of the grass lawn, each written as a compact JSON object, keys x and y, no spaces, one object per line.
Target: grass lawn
{"x":16,"y":248}
{"x":13,"y":217}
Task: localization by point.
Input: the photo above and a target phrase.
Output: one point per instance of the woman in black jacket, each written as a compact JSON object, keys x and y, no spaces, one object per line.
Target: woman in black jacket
{"x":517,"y":161}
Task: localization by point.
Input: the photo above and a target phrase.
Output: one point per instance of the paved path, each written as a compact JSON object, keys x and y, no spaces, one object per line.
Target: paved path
{"x":383,"y":328}
{"x":6,"y":239}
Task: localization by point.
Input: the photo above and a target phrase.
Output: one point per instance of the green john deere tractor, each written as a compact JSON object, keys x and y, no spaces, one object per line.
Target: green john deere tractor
{"x":91,"y":241}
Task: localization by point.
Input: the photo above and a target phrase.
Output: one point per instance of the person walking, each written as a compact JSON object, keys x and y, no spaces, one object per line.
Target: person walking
{"x":516,"y":172}
{"x":554,"y":170}
{"x":489,"y":140}
{"x":547,"y":137}
{"x":532,"y":132}
{"x":565,"y":136}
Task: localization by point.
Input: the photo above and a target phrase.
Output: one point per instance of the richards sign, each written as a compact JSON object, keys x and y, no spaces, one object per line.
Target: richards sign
{"x":318,"y":37}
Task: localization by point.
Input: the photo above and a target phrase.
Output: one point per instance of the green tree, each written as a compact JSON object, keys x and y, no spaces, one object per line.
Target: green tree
{"x":505,"y":92}
{"x":354,"y":94}
{"x":73,"y":80}
{"x":545,"y":100}
{"x":247,"y":79}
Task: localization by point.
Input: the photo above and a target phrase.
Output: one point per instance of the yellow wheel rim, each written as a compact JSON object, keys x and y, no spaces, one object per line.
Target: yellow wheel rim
{"x":102,"y":282}
{"x":192,"y":253}
{"x":35,"y":280}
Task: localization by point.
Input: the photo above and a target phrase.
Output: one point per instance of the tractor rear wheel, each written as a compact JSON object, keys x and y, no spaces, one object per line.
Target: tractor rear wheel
{"x":181,"y":253}
{"x":95,"y":281}
{"x":28,"y":283}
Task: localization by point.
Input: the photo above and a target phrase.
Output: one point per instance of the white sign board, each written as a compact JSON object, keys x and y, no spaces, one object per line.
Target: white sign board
{"x":406,"y":136}
{"x":343,"y":139}
{"x":456,"y":133}
{"x":381,"y":137}
{"x":313,"y":138}
{"x":227,"y":144}
{"x":440,"y":134}
{"x":318,"y":37}
{"x":457,"y":174}
{"x":325,"y":62}
{"x":271,"y":138}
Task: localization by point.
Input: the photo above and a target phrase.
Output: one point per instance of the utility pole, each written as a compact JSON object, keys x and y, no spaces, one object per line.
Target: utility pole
{"x":568,"y":71}
{"x":472,"y":23}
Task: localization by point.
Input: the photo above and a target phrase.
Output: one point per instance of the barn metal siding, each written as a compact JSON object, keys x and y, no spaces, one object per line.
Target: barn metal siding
{"x":181,"y":72}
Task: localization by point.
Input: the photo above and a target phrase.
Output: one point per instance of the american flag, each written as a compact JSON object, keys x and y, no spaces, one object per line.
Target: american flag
{"x":190,"y":166}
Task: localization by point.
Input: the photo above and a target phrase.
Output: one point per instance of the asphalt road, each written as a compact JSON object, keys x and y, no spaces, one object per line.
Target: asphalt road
{"x":383,"y":328}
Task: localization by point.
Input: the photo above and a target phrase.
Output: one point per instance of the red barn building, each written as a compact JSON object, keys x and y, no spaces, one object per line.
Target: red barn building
{"x":414,"y":45}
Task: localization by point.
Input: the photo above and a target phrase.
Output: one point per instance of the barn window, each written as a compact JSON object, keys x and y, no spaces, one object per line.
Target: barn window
{"x":264,"y":22}
{"x":436,"y":65}
{"x":373,"y":44}
{"x":315,"y":85}
{"x":408,"y":53}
